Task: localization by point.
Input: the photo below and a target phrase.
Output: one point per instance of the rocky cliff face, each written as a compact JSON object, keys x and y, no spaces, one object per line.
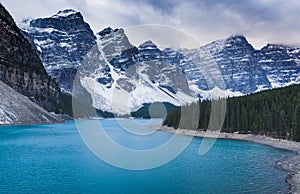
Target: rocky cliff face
{"x":121,"y":77}
{"x":21,"y":68}
{"x":244,"y":69}
{"x":281,"y":64}
{"x":61,"y":41}
{"x":237,"y":62}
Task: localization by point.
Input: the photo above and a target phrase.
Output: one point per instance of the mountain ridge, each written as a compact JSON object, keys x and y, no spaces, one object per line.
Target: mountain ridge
{"x":61,"y":41}
{"x":230,"y":65}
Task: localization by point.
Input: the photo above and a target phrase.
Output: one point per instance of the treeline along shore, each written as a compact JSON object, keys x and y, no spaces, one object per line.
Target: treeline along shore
{"x":274,"y":113}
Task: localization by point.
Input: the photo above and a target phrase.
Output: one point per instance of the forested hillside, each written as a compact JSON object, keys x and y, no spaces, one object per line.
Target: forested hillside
{"x":274,"y":113}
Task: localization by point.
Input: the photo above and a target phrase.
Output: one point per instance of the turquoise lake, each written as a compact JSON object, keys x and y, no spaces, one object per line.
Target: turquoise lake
{"x":54,"y":159}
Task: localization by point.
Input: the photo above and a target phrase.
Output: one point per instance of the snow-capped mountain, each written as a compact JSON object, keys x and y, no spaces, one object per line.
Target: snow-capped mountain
{"x":121,"y":77}
{"x":247,"y":70}
{"x":237,"y":62}
{"x":243,"y":69}
{"x":281,"y":64}
{"x":61,"y":41}
{"x":129,"y":76}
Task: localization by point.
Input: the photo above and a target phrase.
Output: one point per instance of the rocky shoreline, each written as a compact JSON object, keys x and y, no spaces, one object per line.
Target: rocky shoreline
{"x":291,"y":164}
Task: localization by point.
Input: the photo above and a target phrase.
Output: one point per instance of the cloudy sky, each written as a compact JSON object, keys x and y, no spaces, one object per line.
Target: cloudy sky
{"x":261,"y":21}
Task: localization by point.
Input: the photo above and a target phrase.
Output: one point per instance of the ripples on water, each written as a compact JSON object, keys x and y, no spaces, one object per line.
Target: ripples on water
{"x":53,"y":159}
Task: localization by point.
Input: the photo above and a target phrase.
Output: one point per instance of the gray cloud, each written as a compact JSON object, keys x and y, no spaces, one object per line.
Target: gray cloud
{"x":261,"y":21}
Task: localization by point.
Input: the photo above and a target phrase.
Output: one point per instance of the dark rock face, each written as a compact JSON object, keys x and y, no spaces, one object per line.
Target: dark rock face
{"x":238,"y":64}
{"x":117,"y":50}
{"x":65,"y":76}
{"x":21,"y":68}
{"x":146,"y":60}
{"x":61,"y":41}
{"x":281,"y":64}
{"x":126,"y":59}
{"x":106,"y":31}
{"x":149,"y":51}
{"x":67,"y":21}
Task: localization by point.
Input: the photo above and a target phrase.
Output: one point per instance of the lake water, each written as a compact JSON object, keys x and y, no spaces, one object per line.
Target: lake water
{"x":54,"y":159}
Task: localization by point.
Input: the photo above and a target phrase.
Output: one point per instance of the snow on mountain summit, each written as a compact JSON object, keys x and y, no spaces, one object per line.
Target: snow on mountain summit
{"x":61,"y":41}
{"x":113,"y":42}
{"x":65,"y":13}
{"x":129,"y":76}
{"x":148,"y":44}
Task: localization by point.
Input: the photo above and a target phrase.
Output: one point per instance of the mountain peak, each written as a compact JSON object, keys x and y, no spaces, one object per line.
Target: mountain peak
{"x":237,"y":38}
{"x":228,"y":42}
{"x":148,"y":43}
{"x":238,"y":41}
{"x":67,"y":20}
{"x":65,"y":13}
{"x":275,"y":46}
{"x":105,"y":31}
{"x":109,"y":30}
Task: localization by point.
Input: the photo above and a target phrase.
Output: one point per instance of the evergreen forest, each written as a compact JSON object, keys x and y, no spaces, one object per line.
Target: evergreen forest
{"x":274,"y":113}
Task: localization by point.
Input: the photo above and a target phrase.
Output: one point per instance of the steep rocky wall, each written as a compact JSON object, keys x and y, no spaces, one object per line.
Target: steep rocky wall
{"x":62,"y":42}
{"x":21,"y":68}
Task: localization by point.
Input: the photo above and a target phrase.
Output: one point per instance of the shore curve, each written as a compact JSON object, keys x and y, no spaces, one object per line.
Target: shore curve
{"x":291,"y":164}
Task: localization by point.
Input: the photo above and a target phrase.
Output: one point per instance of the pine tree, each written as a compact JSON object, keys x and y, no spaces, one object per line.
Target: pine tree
{"x":296,"y":124}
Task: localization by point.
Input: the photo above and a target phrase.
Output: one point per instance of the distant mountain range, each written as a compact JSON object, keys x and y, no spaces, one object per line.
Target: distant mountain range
{"x":122,"y":77}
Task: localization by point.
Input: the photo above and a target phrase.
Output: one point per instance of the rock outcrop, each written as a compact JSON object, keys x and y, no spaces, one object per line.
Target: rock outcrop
{"x":22,"y":69}
{"x":61,"y":41}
